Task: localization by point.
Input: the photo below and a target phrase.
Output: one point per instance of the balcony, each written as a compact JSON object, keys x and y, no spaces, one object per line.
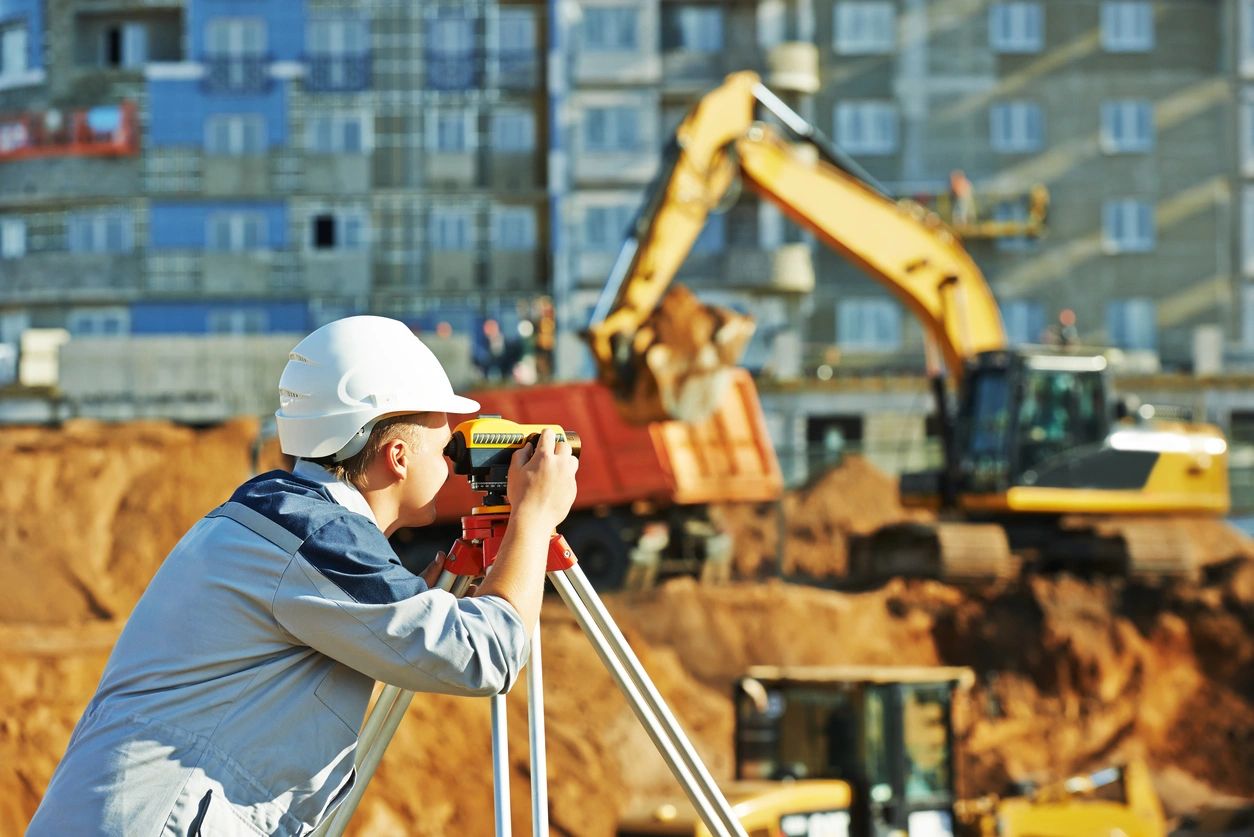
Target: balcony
{"x":77,"y":277}
{"x":237,"y":73}
{"x":104,"y":131}
{"x":337,"y":72}
{"x":453,"y":70}
{"x":517,"y":69}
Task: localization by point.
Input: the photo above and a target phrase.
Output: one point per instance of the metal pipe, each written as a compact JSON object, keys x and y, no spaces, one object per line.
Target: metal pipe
{"x":648,"y":705}
{"x":535,"y":731}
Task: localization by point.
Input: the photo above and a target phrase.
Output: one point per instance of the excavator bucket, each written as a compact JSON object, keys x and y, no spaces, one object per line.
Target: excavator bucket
{"x":682,"y":357}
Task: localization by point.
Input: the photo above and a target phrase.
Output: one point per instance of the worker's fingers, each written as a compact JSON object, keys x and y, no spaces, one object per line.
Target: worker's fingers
{"x":521,"y":456}
{"x":546,"y":442}
{"x":432,"y":573}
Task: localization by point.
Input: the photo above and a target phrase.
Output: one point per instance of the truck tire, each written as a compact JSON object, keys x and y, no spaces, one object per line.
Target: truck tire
{"x":598,"y":544}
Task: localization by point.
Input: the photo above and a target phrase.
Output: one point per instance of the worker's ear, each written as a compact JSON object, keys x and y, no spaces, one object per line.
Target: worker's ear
{"x":396,"y":455}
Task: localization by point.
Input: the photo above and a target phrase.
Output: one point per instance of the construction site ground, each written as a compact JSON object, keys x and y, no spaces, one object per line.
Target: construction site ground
{"x":1071,"y":674}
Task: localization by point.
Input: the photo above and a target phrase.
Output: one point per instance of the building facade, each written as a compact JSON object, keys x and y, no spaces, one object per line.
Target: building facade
{"x":214,"y":166}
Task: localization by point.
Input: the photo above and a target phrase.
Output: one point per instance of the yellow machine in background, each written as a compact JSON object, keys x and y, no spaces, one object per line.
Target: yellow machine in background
{"x":1039,"y":454}
{"x":857,"y":751}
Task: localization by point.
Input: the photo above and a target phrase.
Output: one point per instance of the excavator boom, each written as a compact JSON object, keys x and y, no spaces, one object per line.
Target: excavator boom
{"x":667,"y":363}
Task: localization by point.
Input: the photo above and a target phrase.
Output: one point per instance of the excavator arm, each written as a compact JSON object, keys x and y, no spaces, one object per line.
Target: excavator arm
{"x":663,"y":354}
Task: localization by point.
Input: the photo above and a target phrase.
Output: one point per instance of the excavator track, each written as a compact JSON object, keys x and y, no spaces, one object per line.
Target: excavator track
{"x":1143,"y":549}
{"x":957,"y":553}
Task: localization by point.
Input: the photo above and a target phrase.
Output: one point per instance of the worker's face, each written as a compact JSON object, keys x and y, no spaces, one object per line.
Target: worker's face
{"x":428,"y":472}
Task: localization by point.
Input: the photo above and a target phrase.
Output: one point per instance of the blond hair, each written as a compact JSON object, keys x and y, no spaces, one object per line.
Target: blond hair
{"x":385,"y":431}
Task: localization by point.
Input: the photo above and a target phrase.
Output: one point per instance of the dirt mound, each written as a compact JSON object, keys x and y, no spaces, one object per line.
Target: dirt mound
{"x":88,"y":512}
{"x":1070,"y":674}
{"x":815,"y":522}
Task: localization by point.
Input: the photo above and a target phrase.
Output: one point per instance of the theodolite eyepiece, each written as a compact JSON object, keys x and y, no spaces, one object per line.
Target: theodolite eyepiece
{"x":481,"y":449}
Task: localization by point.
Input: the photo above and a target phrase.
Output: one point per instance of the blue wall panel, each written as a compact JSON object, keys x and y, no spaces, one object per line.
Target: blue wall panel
{"x":181,"y":225}
{"x":285,"y":24}
{"x":177,"y":111}
{"x":32,"y":11}
{"x":193,"y":317}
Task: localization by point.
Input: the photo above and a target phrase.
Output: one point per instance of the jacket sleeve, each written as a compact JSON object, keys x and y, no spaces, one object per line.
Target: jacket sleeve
{"x":345,"y":594}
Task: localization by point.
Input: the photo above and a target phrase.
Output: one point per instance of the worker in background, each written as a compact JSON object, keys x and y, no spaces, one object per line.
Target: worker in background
{"x":963,"y":194}
{"x":232,"y":701}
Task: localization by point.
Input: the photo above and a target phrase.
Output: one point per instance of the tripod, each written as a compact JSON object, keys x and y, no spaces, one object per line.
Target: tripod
{"x":470,"y":558}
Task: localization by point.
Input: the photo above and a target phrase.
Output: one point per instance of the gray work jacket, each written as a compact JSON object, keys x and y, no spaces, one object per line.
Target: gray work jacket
{"x":233,"y":698}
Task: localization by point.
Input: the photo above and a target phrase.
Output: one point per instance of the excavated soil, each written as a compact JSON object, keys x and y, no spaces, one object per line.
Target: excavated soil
{"x":1070,"y":674}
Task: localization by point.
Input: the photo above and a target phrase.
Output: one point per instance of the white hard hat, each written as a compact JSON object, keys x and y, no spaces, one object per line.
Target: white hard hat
{"x":351,"y":372}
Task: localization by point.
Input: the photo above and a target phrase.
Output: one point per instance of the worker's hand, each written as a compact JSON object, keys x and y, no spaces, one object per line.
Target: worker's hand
{"x":432,"y":573}
{"x":542,"y":481}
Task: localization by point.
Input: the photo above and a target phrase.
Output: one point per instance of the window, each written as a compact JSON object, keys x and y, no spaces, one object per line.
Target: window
{"x":1024,"y":320}
{"x":450,"y":51}
{"x":513,"y":130}
{"x":1132,"y":323}
{"x":236,"y":231}
{"x":235,"y":50}
{"x":338,"y":37}
{"x":614,"y":128}
{"x":12,"y":238}
{"x":337,"y":53}
{"x":235,"y":37}
{"x":1127,"y":126}
{"x":1247,"y":230}
{"x":514,"y":228}
{"x":1015,"y":127}
{"x":109,"y":231}
{"x":13,"y":51}
{"x":98,"y":322}
{"x":342,"y":230}
{"x":451,"y":229}
{"x":1127,"y":226}
{"x":865,"y":28}
{"x":237,"y":321}
{"x":713,"y":236}
{"x":610,"y":28}
{"x":1013,"y":210}
{"x":124,"y":45}
{"x":1015,"y":27}
{"x":772,"y":20}
{"x":235,"y":134}
{"x":867,"y":127}
{"x":339,"y":133}
{"x":1127,"y":26}
{"x":450,"y":131}
{"x":605,"y":226}
{"x":516,"y":31}
{"x":692,"y":28}
{"x":869,"y":325}
{"x":1247,"y":137}
{"x":1246,"y":22}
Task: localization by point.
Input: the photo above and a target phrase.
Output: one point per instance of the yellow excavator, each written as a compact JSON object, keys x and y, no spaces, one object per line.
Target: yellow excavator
{"x":869,"y":751}
{"x":1042,"y":461}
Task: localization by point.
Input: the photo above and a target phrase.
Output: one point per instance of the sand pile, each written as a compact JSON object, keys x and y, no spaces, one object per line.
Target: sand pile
{"x":815,"y":522}
{"x":1071,"y":674}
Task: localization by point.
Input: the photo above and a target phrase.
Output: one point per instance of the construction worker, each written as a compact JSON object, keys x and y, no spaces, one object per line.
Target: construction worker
{"x":232,"y":700}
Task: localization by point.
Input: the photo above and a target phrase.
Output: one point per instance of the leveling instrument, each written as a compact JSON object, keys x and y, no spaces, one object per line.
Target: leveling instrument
{"x":481,"y":450}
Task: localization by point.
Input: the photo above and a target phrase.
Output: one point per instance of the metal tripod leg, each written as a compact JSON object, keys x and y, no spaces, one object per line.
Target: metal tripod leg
{"x":645,"y":700}
{"x":632,"y":680}
{"x":377,"y":732}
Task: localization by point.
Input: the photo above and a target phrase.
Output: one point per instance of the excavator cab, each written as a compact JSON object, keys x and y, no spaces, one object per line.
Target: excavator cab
{"x":1024,"y":416}
{"x":886,"y":732}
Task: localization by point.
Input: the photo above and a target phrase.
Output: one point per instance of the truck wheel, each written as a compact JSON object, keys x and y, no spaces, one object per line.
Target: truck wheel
{"x":598,"y":544}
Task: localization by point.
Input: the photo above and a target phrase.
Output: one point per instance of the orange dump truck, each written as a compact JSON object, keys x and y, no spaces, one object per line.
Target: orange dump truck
{"x":643,"y":489}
